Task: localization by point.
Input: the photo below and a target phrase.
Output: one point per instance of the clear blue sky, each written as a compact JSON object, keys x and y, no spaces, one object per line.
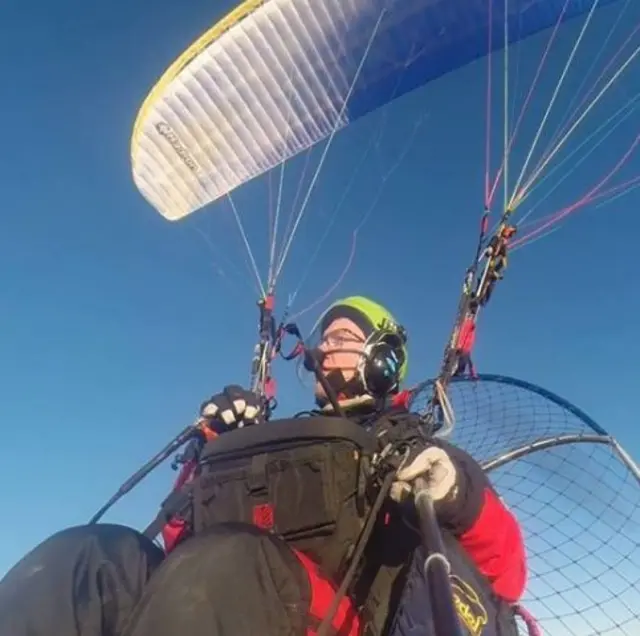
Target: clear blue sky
{"x":114,"y":325}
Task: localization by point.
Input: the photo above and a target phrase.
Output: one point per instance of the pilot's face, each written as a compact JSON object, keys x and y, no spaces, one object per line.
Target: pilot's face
{"x":342,"y":344}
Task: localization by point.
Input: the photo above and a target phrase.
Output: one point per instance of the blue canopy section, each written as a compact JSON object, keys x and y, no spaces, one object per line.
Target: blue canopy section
{"x":422,"y":40}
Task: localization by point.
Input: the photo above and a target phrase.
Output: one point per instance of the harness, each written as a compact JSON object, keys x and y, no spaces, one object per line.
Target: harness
{"x":317,"y":483}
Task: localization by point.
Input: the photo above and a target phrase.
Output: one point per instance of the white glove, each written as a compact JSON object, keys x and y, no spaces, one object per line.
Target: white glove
{"x":434,"y":465}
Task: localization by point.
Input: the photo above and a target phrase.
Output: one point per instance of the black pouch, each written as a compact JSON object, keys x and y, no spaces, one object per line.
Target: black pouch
{"x":303,"y":479}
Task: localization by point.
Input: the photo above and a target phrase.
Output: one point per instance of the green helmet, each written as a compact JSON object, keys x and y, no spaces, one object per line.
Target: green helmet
{"x":372,"y":318}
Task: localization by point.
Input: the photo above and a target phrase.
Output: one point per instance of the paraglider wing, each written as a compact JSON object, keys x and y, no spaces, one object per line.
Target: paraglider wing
{"x":275,"y":77}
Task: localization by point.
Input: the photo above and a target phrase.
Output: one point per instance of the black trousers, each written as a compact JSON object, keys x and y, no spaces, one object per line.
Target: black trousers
{"x":108,"y":580}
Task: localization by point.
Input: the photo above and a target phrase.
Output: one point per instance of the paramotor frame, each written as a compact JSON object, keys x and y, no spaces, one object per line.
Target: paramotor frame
{"x":576,"y":493}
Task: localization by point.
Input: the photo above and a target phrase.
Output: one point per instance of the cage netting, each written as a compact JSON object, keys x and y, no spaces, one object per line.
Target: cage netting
{"x":575,"y":492}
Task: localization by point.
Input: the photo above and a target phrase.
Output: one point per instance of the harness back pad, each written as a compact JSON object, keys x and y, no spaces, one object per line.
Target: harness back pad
{"x":303,"y":479}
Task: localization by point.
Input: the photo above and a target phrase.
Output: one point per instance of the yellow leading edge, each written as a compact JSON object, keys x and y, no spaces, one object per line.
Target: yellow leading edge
{"x":227,"y":22}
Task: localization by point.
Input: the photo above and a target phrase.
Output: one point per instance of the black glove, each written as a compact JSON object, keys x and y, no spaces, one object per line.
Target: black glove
{"x":234,"y":408}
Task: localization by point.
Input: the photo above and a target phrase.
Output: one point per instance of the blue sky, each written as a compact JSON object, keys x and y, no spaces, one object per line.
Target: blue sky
{"x":115,"y":324}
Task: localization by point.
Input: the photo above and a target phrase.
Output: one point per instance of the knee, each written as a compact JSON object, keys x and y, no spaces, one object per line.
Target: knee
{"x":206,"y":584}
{"x":227,"y":561}
{"x":76,"y":575}
{"x":228,"y":549}
{"x":114,"y":542}
{"x":61,"y":553}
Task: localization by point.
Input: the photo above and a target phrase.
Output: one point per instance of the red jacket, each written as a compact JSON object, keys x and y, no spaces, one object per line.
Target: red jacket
{"x":495,"y":544}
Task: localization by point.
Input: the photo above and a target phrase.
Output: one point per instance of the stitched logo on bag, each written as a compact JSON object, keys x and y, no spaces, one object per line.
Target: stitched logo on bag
{"x":468,"y":606}
{"x":263,"y":516}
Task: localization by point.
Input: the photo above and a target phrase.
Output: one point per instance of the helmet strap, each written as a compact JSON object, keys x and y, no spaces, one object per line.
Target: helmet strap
{"x":343,"y":388}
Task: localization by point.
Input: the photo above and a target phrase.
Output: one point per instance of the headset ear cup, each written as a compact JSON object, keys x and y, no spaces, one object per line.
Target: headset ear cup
{"x":381,"y":363}
{"x":380,"y":370}
{"x":396,"y":342}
